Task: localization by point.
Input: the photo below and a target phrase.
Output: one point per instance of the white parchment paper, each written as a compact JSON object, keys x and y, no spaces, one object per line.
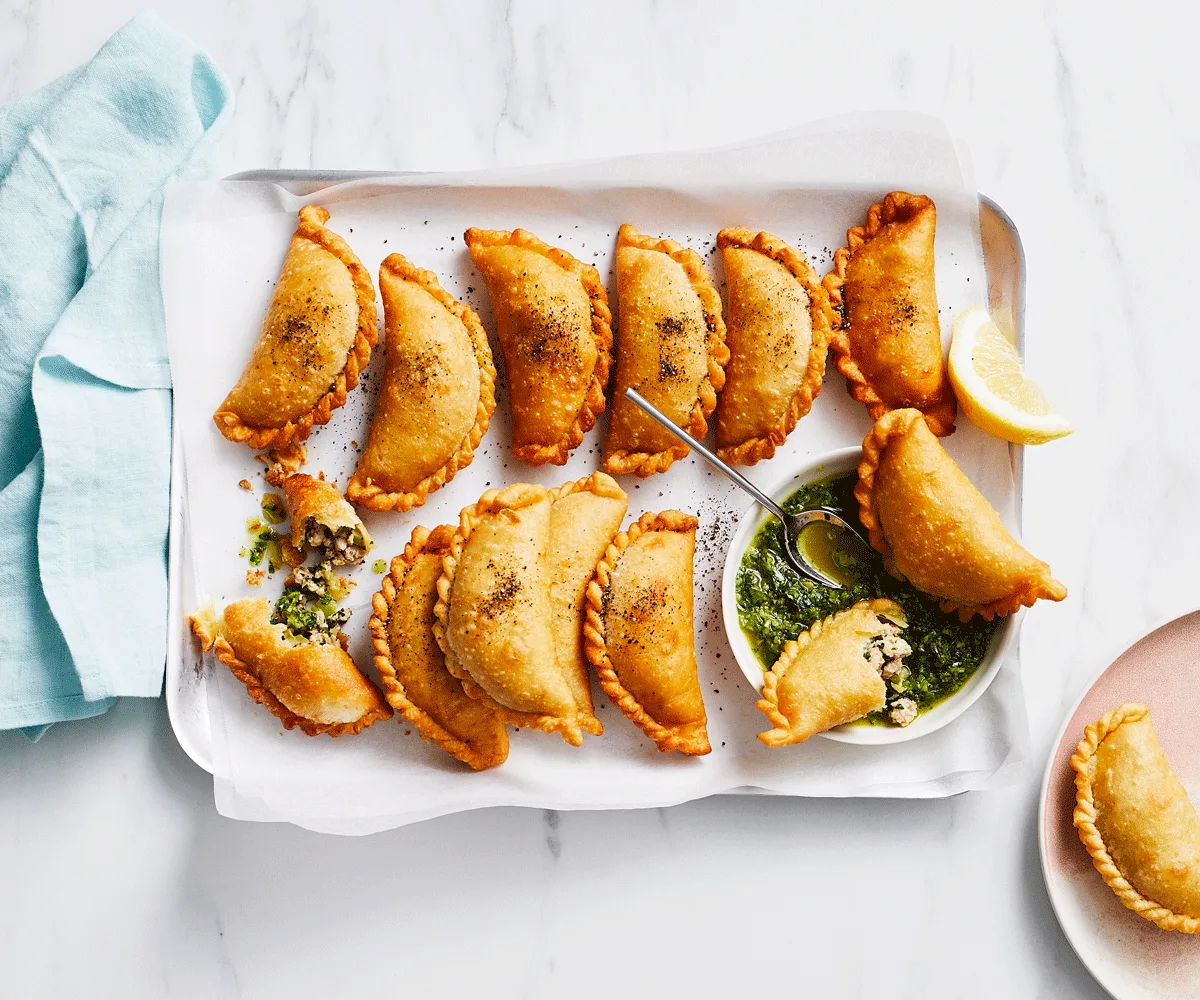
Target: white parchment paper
{"x":222,"y":245}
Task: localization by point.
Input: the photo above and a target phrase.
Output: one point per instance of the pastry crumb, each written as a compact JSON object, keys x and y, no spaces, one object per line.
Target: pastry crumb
{"x":246,"y":485}
{"x":254,"y":577}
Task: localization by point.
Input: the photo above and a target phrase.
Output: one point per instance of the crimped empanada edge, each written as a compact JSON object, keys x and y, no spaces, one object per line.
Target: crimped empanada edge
{"x":683,"y":739}
{"x":260,"y":693}
{"x":1084,"y":819}
{"x":360,"y":489}
{"x":436,"y":542}
{"x":942,"y":414}
{"x":312,"y":228}
{"x":594,"y":401}
{"x":509,"y":498}
{"x":894,"y":424}
{"x":642,"y":463}
{"x":768,"y":703}
{"x":755,"y":449}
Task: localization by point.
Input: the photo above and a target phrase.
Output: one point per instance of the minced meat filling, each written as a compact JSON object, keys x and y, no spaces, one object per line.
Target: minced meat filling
{"x":337,"y":546}
{"x":886,"y":654}
{"x":307,"y":609}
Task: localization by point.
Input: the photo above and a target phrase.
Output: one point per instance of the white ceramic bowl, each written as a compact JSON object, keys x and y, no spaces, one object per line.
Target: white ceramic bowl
{"x":832,"y":464}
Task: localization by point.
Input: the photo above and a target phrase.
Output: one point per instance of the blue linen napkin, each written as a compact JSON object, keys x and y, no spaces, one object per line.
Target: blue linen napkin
{"x":85,"y":401}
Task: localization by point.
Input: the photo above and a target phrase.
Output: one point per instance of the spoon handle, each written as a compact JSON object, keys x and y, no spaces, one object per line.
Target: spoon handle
{"x":708,"y":456}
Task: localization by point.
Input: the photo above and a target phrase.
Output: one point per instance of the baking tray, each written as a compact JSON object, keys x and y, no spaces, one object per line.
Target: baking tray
{"x":186,"y":674}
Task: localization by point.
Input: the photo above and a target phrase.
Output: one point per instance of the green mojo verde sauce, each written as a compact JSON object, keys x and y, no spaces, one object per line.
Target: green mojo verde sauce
{"x":775,"y":604}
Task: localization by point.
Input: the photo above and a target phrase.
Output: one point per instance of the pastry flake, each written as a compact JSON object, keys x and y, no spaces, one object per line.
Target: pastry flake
{"x":316,"y":338}
{"x":831,"y":674}
{"x":887,"y":340}
{"x":412,"y":665}
{"x":935,"y":529}
{"x":437,"y":396}
{"x":670,"y":349}
{"x":554,"y":326}
{"x":313,"y":685}
{"x":777,"y":321}
{"x":638,"y":633}
{"x":494,"y":619}
{"x":1136,"y":821}
{"x":585,"y":517}
{"x":323,"y":522}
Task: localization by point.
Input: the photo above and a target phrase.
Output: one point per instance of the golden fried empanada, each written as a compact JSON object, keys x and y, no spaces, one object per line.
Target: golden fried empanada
{"x":437,"y":396}
{"x":935,"y":529}
{"x":322,"y":520}
{"x":312,"y":685}
{"x":494,"y":620}
{"x":412,"y":666}
{"x":777,"y":320}
{"x":829,"y":675}
{"x":553,"y":322}
{"x":638,"y":633}
{"x":316,"y":338}
{"x":888,"y":342}
{"x":585,"y":517}
{"x":670,"y":348}
{"x":1136,"y":821}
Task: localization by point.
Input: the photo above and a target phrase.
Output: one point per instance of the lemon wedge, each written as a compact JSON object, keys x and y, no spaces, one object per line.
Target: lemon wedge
{"x":992,"y":387}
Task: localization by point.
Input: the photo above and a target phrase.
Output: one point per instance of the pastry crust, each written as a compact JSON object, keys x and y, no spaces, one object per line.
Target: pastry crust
{"x":887,"y":340}
{"x":822,"y":678}
{"x":778,"y":325}
{"x":260,"y":410}
{"x":671,"y":349}
{"x":555,"y":328}
{"x":651,"y":641}
{"x":412,"y":666}
{"x":585,"y":516}
{"x":437,"y":397}
{"x":493,"y":612}
{"x":935,"y":529}
{"x":1126,"y":790}
{"x":318,"y":501}
{"x":316,"y":688}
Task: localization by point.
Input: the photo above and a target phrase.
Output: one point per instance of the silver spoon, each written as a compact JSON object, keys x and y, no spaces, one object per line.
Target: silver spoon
{"x":793,"y":524}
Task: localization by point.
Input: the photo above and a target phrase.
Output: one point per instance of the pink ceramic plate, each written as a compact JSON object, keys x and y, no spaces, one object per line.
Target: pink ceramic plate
{"x":1129,"y":956}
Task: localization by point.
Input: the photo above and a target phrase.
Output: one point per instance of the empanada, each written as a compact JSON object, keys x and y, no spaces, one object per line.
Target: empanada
{"x":887,"y":339}
{"x":494,"y":620}
{"x":306,"y":683}
{"x":670,"y":348}
{"x":777,"y":320}
{"x":316,"y":338}
{"x":638,"y":633}
{"x":412,"y":666}
{"x":322,"y":520}
{"x":585,"y":517}
{"x":1136,"y":821}
{"x":555,"y":330}
{"x":935,"y":529}
{"x":437,"y":396}
{"x":830,"y":675}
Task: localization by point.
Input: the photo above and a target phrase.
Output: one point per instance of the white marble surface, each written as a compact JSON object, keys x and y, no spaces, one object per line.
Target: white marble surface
{"x":118,"y":878}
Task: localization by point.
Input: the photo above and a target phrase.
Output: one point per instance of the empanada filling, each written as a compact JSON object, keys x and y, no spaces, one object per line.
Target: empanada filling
{"x":885,"y":653}
{"x":307,"y":610}
{"x":343,"y":546}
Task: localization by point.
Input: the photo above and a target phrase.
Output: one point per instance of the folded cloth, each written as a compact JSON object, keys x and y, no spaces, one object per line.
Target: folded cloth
{"x":85,"y":389}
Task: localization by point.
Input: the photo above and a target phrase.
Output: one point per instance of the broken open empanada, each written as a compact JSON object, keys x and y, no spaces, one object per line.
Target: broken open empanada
{"x":831,"y":674}
{"x":935,"y":529}
{"x":437,"y":396}
{"x":322,"y":520}
{"x":1136,"y":821}
{"x":585,"y":517}
{"x":553,"y":322}
{"x":316,"y":338}
{"x":670,"y":349}
{"x":494,"y":619}
{"x":638,"y":633}
{"x":887,"y":339}
{"x":305,"y":682}
{"x":412,"y":665}
{"x":777,"y":321}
